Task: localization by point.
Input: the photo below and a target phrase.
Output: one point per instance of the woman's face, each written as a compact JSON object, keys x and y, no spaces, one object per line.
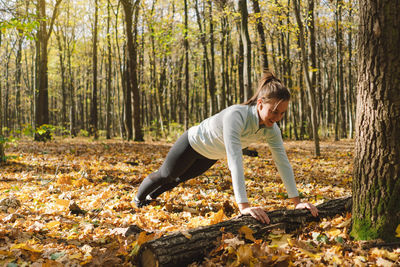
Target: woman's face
{"x":272,"y":111}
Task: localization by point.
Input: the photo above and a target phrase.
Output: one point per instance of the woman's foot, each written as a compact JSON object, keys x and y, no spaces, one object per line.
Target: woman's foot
{"x":142,"y":203}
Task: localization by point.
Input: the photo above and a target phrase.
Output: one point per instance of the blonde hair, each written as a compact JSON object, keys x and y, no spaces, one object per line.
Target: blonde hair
{"x":269,"y":87}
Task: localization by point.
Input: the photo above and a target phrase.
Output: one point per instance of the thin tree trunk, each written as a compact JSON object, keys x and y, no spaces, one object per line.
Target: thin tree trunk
{"x":61,"y":56}
{"x":244,"y":32}
{"x":308,"y":80}
{"x":186,"y":46}
{"x":224,"y":25}
{"x":109,"y":75}
{"x":313,"y":56}
{"x":240,"y":61}
{"x":2,"y":155}
{"x":350,"y":89}
{"x":343,"y":117}
{"x":260,"y":30}
{"x":93,"y":130}
{"x":205,"y":59}
{"x":212,"y":82}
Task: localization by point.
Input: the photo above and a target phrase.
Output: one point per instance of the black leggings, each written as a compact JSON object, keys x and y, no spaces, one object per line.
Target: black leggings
{"x":181,"y":164}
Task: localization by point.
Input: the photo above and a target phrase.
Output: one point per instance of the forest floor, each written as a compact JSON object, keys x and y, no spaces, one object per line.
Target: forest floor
{"x":68,"y":202}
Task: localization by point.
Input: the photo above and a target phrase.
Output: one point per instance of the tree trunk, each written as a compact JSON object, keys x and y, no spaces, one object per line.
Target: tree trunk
{"x":308,"y":80}
{"x":212,"y":82}
{"x":18,"y":81}
{"x":93,"y":103}
{"x":343,"y":117}
{"x":42,"y":100}
{"x":177,"y":250}
{"x":186,"y":46}
{"x":313,"y":55}
{"x":109,"y":75}
{"x":350,"y":89}
{"x":2,"y":155}
{"x":130,"y":11}
{"x":224,"y":25}
{"x":205,"y":59}
{"x":376,"y":182}
{"x":61,"y":56}
{"x":244,"y":32}
{"x":260,"y":30}
{"x":240,"y":61}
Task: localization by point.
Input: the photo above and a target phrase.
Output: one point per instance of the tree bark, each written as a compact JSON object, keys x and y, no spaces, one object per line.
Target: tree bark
{"x":244,"y":32}
{"x":186,"y":46}
{"x":61,"y":56}
{"x":260,"y":30}
{"x":212,"y":82}
{"x":205,"y":59}
{"x":131,"y":16}
{"x":376,"y":179}
{"x":93,"y":128}
{"x":2,"y":155}
{"x":109,"y":74}
{"x":42,"y":100}
{"x":18,"y":81}
{"x":178,"y":250}
{"x":311,"y":90}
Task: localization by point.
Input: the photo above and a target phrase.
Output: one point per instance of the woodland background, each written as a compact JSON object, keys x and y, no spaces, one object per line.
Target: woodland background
{"x":190,"y":60}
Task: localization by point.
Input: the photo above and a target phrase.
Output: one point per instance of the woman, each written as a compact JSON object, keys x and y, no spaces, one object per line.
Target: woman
{"x":225,"y":135}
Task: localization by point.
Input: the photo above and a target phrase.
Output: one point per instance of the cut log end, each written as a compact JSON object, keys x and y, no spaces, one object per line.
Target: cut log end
{"x":148,"y":258}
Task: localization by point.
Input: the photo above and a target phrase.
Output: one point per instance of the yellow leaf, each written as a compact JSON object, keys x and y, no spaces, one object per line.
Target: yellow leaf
{"x":62,"y":202}
{"x":144,"y":237}
{"x":383,"y":253}
{"x":279,"y":240}
{"x":334,"y":232}
{"x":217,"y":217}
{"x":4,"y":252}
{"x":52,"y":225}
{"x":25,"y":246}
{"x":76,"y":256}
{"x":398,"y":231}
{"x":305,"y":248}
{"x":87,"y":260}
{"x":247,"y":232}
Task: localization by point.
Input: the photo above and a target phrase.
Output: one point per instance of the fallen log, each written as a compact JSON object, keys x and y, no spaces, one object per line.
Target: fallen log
{"x":181,"y":249}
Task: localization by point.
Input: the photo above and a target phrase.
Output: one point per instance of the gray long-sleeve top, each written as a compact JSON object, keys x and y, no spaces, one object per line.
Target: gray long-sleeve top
{"x":225,"y":135}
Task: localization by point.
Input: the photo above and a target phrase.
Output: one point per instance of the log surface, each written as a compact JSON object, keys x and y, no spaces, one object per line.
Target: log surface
{"x":176,"y":249}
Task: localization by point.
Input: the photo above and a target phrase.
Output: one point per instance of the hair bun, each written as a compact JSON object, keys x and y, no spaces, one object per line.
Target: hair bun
{"x":268,"y":76}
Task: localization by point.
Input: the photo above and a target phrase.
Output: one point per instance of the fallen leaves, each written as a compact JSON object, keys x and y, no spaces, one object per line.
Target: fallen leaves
{"x":69,"y":202}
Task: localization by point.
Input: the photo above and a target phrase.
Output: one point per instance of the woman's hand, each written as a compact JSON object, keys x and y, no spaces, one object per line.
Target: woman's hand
{"x":311,"y":207}
{"x":256,"y":212}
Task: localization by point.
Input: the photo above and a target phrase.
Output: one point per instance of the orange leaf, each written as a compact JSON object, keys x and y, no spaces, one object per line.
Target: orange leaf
{"x":247,"y":232}
{"x":52,"y":225}
{"x":62,"y":202}
{"x":144,"y":237}
{"x":218,"y":217}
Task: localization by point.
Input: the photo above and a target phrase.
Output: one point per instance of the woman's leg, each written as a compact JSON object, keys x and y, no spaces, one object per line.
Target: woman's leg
{"x":179,"y":159}
{"x":198,"y":167}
